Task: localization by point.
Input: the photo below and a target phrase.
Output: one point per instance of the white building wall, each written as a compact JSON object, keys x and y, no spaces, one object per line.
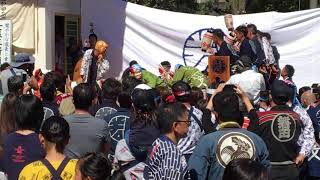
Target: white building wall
{"x":45,"y":45}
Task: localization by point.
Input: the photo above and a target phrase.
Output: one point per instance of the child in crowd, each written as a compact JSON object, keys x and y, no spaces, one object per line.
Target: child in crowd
{"x":93,"y":166}
{"x":54,"y":136}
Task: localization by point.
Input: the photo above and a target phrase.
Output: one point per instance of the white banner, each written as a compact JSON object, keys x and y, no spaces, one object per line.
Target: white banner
{"x":150,"y":36}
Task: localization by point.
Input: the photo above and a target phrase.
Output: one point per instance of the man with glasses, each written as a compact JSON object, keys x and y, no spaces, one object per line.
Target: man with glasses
{"x":94,"y":66}
{"x":166,"y":160}
{"x":182,"y":92}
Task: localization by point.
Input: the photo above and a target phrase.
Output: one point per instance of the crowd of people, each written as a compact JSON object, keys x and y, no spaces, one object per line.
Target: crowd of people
{"x":255,"y":126}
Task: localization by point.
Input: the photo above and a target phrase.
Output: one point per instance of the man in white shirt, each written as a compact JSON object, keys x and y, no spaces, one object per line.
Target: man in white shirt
{"x":23,"y":66}
{"x":249,"y":80}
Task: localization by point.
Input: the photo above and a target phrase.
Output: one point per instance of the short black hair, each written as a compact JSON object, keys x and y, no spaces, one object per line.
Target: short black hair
{"x":281,"y":92}
{"x":165,"y":63}
{"x":15,"y":83}
{"x":229,"y":88}
{"x":111,"y":88}
{"x":267,"y":35}
{"x":167,"y":114}
{"x":264,"y":96}
{"x":133,"y":62}
{"x":4,"y":66}
{"x":57,"y":78}
{"x":182,"y":91}
{"x":143,"y":100}
{"x":82,"y":96}
{"x":196,"y":96}
{"x":243,"y":30}
{"x":290,"y":70}
{"x":304,"y":89}
{"x":47,"y":91}
{"x":219,"y":33}
{"x":29,"y":112}
{"x":92,"y":35}
{"x":244,"y":169}
{"x":129,"y":83}
{"x":56,"y":130}
{"x":95,"y":165}
{"x":226,"y":104}
{"x":124,"y":100}
{"x":252,"y":28}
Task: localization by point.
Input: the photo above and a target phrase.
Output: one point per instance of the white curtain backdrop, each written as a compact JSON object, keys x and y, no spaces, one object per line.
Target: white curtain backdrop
{"x":150,"y":36}
{"x":22,"y":15}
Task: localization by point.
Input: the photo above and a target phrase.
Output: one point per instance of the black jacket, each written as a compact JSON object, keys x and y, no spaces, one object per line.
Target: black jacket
{"x":280,"y":129}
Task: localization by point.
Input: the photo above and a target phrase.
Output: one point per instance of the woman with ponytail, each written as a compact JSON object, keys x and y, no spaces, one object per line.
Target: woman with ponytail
{"x":54,"y":136}
{"x":132,"y":152}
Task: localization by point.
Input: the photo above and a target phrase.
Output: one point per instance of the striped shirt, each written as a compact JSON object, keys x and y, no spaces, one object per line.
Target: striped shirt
{"x":187,"y":144}
{"x":165,"y":161}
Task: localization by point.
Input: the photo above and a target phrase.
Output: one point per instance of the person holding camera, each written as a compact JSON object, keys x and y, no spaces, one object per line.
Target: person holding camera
{"x":16,"y":78}
{"x":250,"y":81}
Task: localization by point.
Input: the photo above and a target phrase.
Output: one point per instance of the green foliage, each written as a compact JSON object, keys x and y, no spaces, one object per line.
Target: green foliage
{"x":206,"y":8}
{"x":187,"y":6}
{"x":210,"y":7}
{"x":255,"y":6}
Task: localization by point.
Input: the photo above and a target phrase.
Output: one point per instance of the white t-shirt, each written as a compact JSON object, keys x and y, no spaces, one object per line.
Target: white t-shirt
{"x":251,"y":82}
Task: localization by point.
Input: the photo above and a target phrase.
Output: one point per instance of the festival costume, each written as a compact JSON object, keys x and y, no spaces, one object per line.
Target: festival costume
{"x":215,"y":150}
{"x":151,"y":80}
{"x":165,"y":161}
{"x":280,"y":129}
{"x":91,"y":70}
{"x":190,"y":75}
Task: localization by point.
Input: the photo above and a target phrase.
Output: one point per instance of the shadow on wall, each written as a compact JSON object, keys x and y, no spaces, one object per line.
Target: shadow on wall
{"x":108,"y":18}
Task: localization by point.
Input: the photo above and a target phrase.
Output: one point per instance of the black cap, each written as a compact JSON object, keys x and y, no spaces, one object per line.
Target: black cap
{"x":281,"y":92}
{"x":143,"y":99}
{"x":219,"y":33}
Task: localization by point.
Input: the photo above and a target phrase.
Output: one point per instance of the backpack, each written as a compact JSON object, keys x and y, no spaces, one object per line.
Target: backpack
{"x":56,"y":174}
